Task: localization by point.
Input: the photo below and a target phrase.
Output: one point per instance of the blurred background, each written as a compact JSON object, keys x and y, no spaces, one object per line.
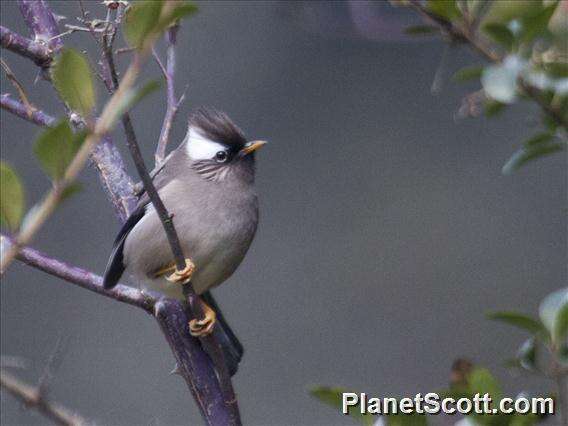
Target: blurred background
{"x":387,"y":230}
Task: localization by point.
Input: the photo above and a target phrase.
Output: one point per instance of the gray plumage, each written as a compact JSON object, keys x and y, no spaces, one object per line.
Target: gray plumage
{"x":207,"y":184}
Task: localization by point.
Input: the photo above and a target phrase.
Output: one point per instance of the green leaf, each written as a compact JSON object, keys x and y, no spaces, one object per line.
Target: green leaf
{"x":406,"y":420}
{"x":500,"y":34}
{"x":536,"y":25}
{"x":12,"y":200}
{"x":72,"y":78}
{"x":468,"y":73}
{"x":447,"y":9}
{"x":141,"y":20}
{"x":482,"y":381}
{"x":145,"y":18}
{"x":71,"y":190}
{"x":556,"y":69}
{"x":333,"y":396}
{"x":552,"y":312}
{"x":493,"y":108}
{"x":526,"y":355}
{"x":420,"y":30}
{"x":507,"y":11}
{"x":540,"y":138}
{"x":563,"y":354}
{"x":522,"y":419}
{"x":561,"y":324}
{"x":529,"y":153}
{"x":518,"y":320}
{"x":56,"y":147}
{"x":181,"y":10}
{"x":131,"y":98}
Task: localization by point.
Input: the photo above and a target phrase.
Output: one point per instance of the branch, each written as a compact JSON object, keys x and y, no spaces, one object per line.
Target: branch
{"x":106,"y":159}
{"x":79,"y":277}
{"x":33,"y":398}
{"x":53,"y":198}
{"x":172,"y":103}
{"x":37,"y":117}
{"x":42,"y":22}
{"x":36,"y":51}
{"x":460,"y":34}
{"x":215,"y":398}
{"x":211,"y":345}
{"x":193,"y":363}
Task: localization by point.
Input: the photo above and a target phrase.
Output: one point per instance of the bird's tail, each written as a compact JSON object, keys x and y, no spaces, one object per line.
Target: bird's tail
{"x":232,"y":348}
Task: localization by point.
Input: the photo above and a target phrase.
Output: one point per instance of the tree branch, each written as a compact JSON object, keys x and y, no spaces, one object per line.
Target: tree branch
{"x":36,"y":51}
{"x":37,"y":117}
{"x":80,"y":277}
{"x":193,"y":363}
{"x":172,"y":104}
{"x":106,"y":159}
{"x":42,"y":22}
{"x":216,"y":398}
{"x":210,"y":344}
{"x":460,"y":34}
{"x":32,"y":397}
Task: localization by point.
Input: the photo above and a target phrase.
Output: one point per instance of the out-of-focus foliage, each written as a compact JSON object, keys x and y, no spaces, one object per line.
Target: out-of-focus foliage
{"x":466,"y":382}
{"x":528,"y":44}
{"x":12,"y":200}
{"x":55,"y":148}
{"x":548,"y":336}
{"x":147,"y":18}
{"x":72,"y":77}
{"x":132,"y":97}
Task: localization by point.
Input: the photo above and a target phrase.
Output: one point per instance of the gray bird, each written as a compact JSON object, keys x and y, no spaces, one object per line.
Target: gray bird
{"x":207,"y":183}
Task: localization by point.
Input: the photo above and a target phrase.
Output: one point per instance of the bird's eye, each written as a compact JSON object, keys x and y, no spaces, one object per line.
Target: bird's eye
{"x":221,"y":156}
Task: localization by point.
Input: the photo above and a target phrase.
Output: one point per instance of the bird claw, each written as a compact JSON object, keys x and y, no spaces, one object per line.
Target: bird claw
{"x":204,"y":326}
{"x":183,"y":276}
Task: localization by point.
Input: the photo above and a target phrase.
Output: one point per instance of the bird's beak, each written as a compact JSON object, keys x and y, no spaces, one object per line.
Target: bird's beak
{"x":251,"y":147}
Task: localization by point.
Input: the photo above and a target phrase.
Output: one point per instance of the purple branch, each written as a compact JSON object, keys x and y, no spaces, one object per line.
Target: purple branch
{"x":37,"y":117}
{"x":25,"y":47}
{"x":106,"y":159}
{"x":32,"y":397}
{"x":216,"y":405}
{"x":42,"y":22}
{"x":215,"y":397}
{"x":172,"y":103}
{"x":192,"y":361}
{"x":80,"y":277}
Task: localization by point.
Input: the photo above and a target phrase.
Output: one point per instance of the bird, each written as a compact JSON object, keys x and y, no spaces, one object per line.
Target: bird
{"x":207,"y":185}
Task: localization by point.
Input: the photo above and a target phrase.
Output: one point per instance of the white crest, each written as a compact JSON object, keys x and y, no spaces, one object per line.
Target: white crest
{"x":200,"y":148}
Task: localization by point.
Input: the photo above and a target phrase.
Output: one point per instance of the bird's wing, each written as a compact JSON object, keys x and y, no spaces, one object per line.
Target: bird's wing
{"x":115,"y":266}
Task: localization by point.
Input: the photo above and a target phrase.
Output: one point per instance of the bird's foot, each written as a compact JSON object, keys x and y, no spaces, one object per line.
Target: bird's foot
{"x":204,"y":326}
{"x":183,"y":276}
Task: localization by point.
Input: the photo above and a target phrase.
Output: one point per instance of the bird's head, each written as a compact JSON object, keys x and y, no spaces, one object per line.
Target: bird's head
{"x":217,"y":148}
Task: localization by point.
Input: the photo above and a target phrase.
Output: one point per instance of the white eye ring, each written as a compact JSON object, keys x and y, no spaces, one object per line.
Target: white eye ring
{"x":221,"y":156}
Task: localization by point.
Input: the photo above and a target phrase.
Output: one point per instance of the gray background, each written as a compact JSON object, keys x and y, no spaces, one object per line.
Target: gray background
{"x":387,"y":229}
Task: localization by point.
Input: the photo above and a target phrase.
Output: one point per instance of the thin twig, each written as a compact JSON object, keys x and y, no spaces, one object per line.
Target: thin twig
{"x":33,"y":398}
{"x":53,"y":198}
{"x":172,"y":104}
{"x":194,"y":302}
{"x":19,"y":88}
{"x":52,"y":365}
{"x":80,"y":277}
{"x":36,"y":117}
{"x":217,"y":406}
{"x":106,"y":159}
